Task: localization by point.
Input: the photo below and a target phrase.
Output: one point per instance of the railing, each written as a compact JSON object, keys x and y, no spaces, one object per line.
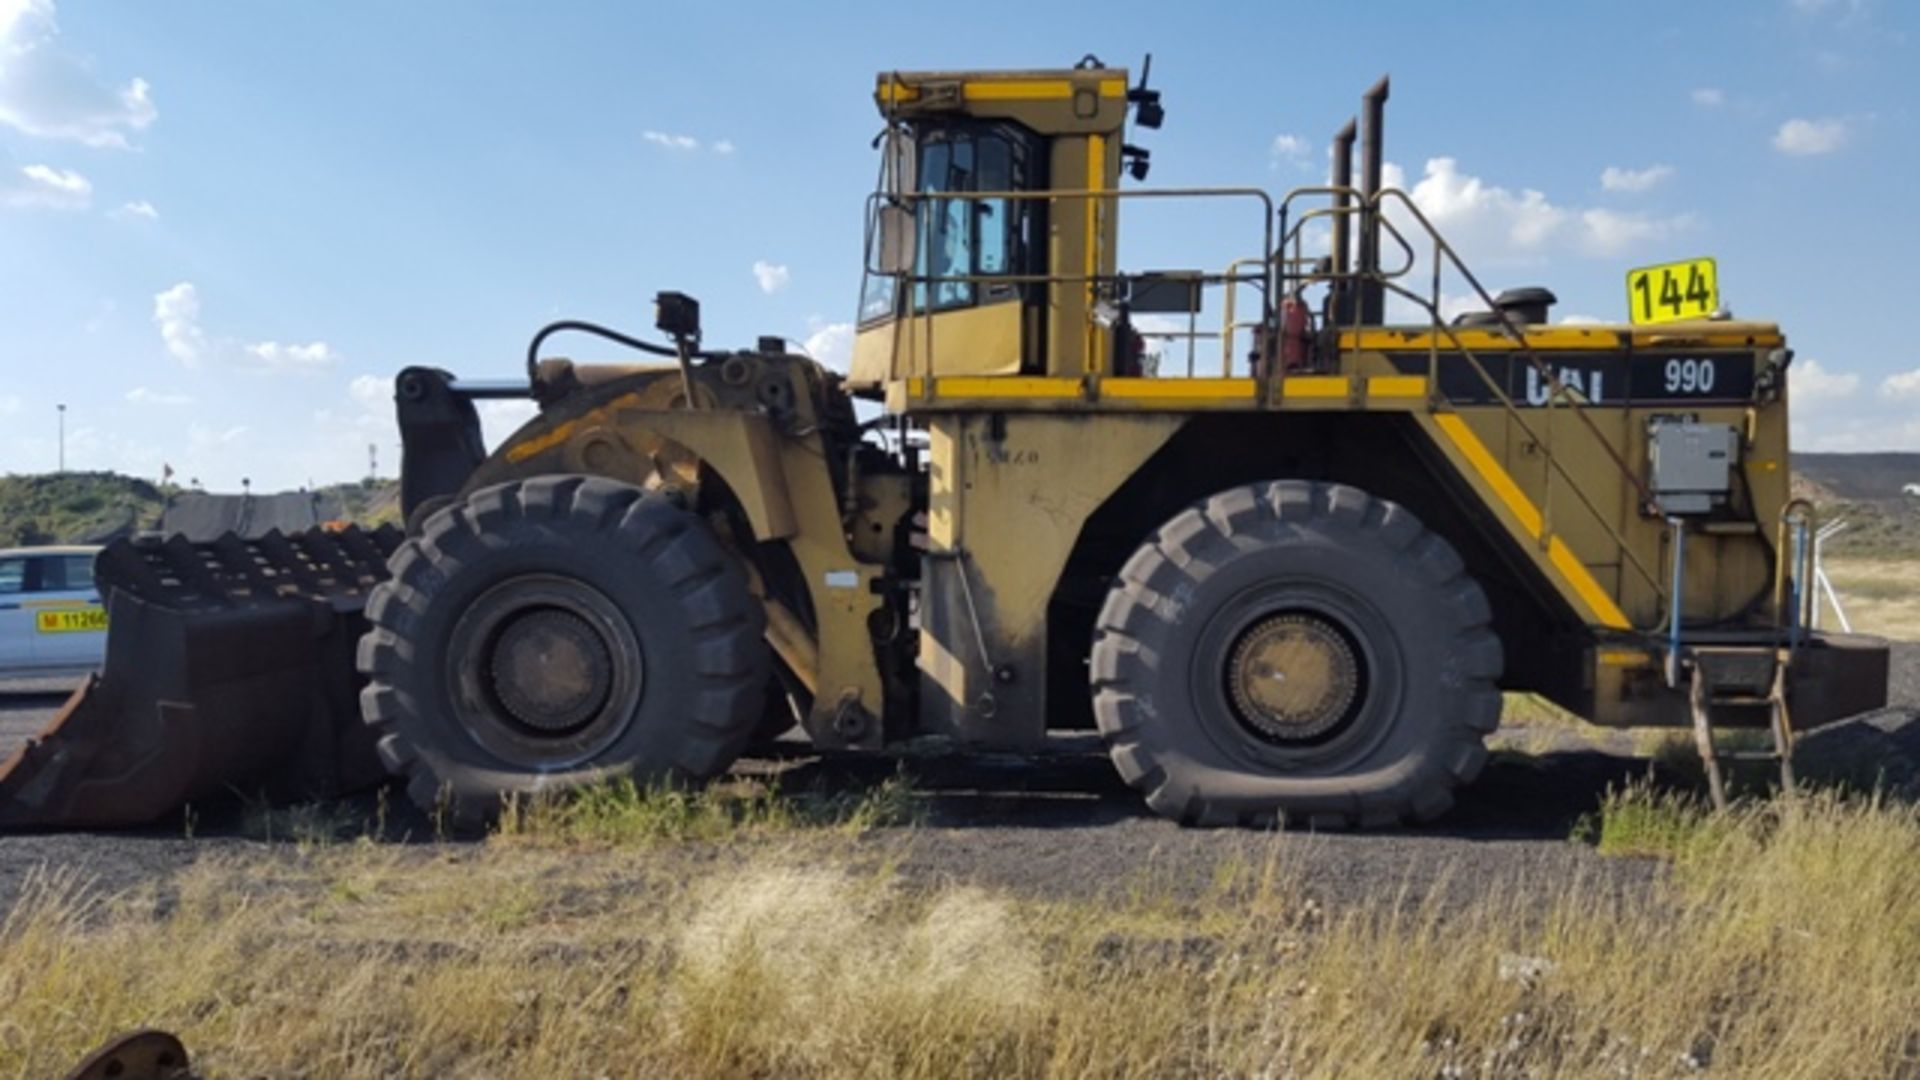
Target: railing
{"x":1096,"y":282}
{"x":1444,"y":255}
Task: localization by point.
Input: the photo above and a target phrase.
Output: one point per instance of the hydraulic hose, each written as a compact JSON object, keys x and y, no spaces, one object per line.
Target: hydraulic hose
{"x":533,"y":347}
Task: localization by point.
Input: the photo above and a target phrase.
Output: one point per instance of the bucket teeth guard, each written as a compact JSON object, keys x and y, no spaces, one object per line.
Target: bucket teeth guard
{"x":229,"y":670}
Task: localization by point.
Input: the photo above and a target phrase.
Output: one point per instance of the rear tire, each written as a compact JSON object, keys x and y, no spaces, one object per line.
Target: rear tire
{"x":1300,"y":652}
{"x":548,"y":633}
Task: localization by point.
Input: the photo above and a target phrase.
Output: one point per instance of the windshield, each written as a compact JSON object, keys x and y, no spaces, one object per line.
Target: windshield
{"x":947,"y":242}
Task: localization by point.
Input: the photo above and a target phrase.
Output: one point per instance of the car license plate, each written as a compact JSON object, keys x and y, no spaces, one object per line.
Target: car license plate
{"x":70,"y":620}
{"x":1672,"y":292}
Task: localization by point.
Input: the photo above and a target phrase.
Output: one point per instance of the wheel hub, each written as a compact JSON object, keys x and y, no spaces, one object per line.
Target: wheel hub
{"x":544,"y":671}
{"x":1294,"y":677}
{"x":550,"y":670}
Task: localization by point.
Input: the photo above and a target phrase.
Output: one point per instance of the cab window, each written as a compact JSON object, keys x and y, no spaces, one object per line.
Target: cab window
{"x":69,"y":573}
{"x":13,"y":576}
{"x":946,"y":246}
{"x":958,"y":241}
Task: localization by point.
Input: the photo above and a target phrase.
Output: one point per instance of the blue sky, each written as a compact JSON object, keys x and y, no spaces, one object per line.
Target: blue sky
{"x":223,"y":226}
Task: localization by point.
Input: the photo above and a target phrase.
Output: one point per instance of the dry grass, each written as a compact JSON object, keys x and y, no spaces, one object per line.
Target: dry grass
{"x":1881,"y":595}
{"x":1785,"y":942}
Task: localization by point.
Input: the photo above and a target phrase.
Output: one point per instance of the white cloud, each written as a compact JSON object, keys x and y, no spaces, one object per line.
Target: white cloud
{"x":1813,"y":385}
{"x":9,"y":403}
{"x":671,"y":142}
{"x":687,"y":144}
{"x":176,"y":312}
{"x":371,"y":392}
{"x":1489,"y":224}
{"x":772,"y":276}
{"x":1575,"y":319}
{"x":47,"y":188}
{"x":1614,"y":178}
{"x":139,"y":208}
{"x":1293,"y":150}
{"x":14,"y":13}
{"x":1709,"y":97}
{"x":49,"y":92}
{"x":1805,"y":138}
{"x":502,"y":417}
{"x":310,"y":357}
{"x":1902,"y":386}
{"x":830,"y":343}
{"x":140,"y":395}
{"x":1611,"y":232}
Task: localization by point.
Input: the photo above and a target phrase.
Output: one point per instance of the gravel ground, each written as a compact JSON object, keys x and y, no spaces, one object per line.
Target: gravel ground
{"x":1067,"y":827}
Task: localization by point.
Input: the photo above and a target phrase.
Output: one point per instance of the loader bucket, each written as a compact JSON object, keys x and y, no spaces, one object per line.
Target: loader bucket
{"x":229,"y":670}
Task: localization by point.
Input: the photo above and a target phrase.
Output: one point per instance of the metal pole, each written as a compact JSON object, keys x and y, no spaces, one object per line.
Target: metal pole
{"x":1679,"y":528}
{"x":63,"y":437}
{"x":1372,"y":154}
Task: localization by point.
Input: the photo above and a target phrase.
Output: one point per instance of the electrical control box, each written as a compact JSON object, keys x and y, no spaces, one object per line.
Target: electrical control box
{"x":1692,"y":465}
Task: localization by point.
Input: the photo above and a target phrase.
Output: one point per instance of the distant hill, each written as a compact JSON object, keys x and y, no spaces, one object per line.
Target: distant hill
{"x":83,"y":508}
{"x":75,"y":507}
{"x":1854,"y":477}
{"x":1864,"y":490}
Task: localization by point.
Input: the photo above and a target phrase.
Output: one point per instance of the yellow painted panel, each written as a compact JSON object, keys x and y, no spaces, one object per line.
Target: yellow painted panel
{"x":1043,"y":89}
{"x":1491,"y":471}
{"x":1397,"y":386}
{"x":564,"y":430}
{"x":1624,"y":658}
{"x":1178,"y":389}
{"x":1315,"y":386}
{"x":982,"y":340}
{"x":1011,"y":386}
{"x":1544,"y":338}
{"x":1564,"y":561}
{"x":1005,"y":89}
{"x":1096,"y":180}
{"x":1589,"y":590}
{"x":1708,"y":336}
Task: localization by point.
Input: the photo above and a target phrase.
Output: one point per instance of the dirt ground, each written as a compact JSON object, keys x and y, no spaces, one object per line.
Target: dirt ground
{"x":1066,"y":826}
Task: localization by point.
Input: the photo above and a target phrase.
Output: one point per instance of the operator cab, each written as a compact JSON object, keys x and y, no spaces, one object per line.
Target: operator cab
{"x":989,"y":233}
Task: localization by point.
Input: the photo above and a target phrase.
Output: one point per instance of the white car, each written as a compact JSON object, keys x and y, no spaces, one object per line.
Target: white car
{"x":51,"y":620}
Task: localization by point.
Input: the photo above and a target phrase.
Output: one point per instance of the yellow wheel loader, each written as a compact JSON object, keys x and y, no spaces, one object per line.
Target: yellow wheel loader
{"x":1276,"y":529}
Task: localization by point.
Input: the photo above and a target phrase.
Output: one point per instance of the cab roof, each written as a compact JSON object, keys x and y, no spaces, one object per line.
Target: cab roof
{"x":51,"y":549}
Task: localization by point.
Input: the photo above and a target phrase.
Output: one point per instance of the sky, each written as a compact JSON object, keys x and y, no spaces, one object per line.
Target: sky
{"x":224,"y":226}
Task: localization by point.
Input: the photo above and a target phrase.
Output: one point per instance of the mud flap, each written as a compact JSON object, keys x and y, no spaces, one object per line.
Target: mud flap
{"x":229,"y":670}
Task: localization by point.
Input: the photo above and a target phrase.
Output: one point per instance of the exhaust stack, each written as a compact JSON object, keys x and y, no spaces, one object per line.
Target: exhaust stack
{"x":1342,"y":220}
{"x":1373,"y":114}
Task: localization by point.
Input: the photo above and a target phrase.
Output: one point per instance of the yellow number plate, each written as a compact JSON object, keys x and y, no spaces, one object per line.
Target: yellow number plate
{"x":1672,"y":292}
{"x":70,"y":620}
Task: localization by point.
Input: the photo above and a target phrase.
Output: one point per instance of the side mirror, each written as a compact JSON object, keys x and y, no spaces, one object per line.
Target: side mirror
{"x":896,"y":239}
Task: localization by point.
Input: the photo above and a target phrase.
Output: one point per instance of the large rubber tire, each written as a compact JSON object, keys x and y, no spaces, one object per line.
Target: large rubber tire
{"x":1396,"y":593}
{"x":679,"y":667}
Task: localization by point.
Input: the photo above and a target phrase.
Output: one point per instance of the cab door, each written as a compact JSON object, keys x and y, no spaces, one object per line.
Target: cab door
{"x":70,"y":626}
{"x":16,"y":620}
{"x":967,"y":310}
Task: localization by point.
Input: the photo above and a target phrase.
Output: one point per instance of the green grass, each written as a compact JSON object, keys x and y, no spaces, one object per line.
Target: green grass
{"x":63,"y":508}
{"x":621,"y":812}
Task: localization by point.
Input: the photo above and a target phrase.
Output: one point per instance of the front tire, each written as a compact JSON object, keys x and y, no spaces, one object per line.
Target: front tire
{"x":553,"y":632}
{"x":1296,"y":651}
